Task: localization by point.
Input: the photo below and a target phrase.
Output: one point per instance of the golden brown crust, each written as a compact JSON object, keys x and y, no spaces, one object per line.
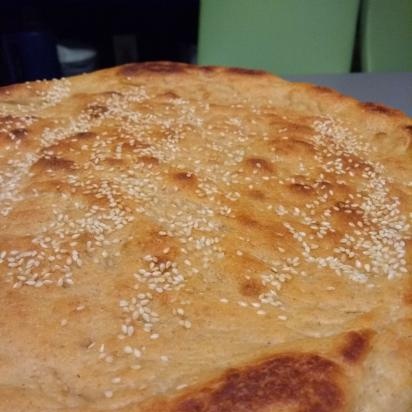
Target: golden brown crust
{"x":193,"y":239}
{"x":308,"y":382}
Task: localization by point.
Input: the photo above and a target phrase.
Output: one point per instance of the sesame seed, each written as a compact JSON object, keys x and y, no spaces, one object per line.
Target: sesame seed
{"x":128,"y":349}
{"x":187,"y":324}
{"x":108,"y":393}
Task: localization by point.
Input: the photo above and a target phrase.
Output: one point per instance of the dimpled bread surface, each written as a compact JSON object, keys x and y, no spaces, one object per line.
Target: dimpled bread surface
{"x":177,"y":238}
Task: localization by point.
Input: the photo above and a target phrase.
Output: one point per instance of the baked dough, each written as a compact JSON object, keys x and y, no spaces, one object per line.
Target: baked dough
{"x":188,"y":239}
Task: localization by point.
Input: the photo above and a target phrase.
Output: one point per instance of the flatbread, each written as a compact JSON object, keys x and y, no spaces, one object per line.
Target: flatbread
{"x":180,"y":238}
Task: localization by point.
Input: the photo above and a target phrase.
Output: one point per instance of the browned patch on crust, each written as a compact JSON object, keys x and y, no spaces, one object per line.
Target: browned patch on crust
{"x":301,"y":189}
{"x":208,"y":69}
{"x":19,"y":133}
{"x":135,"y":69}
{"x":85,"y":135}
{"x":247,"y":221}
{"x":251,"y":288}
{"x":324,"y":185}
{"x":7,"y":118}
{"x":356,"y":346}
{"x":257,"y":194}
{"x":354,"y":164}
{"x":347,"y":208}
{"x":85,"y":343}
{"x":190,"y":405}
{"x":170,"y":95}
{"x":263,"y":232}
{"x":8,"y":242}
{"x":259,"y":163}
{"x":243,"y":71}
{"x":151,"y":242}
{"x":294,"y":128}
{"x":53,"y":163}
{"x":293,"y":147}
{"x":407,"y":298}
{"x":149,"y":160}
{"x":408,"y":128}
{"x":323,"y":89}
{"x":379,"y":108}
{"x":380,"y":135}
{"x":185,"y":177}
{"x":111,"y":161}
{"x":163,"y":67}
{"x":289,"y":128}
{"x":50,"y":185}
{"x":110,"y":93}
{"x":10,"y":119}
{"x":302,"y":382}
{"x":346,"y":213}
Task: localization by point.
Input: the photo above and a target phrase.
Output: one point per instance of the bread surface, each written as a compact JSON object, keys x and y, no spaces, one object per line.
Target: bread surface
{"x":201,"y":239}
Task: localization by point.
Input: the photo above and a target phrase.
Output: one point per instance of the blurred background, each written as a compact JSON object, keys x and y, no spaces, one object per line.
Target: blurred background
{"x":47,"y":39}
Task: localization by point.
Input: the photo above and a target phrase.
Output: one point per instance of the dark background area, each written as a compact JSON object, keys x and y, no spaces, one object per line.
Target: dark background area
{"x":161,"y":29}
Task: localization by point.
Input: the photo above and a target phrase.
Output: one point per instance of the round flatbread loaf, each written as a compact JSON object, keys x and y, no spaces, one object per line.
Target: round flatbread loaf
{"x":177,"y":238}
